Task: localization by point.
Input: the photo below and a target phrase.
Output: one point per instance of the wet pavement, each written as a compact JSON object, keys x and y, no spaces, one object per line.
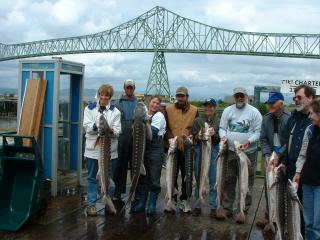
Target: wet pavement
{"x":66,"y":219}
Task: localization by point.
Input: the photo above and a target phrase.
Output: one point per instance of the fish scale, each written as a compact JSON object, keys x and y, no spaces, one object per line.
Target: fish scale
{"x":188,"y":153}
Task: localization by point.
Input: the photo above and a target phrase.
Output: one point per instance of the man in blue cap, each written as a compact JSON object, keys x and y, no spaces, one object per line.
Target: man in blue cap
{"x":273,"y":138}
{"x":209,"y":117}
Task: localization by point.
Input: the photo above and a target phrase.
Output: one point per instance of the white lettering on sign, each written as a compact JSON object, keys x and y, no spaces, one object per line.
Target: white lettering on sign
{"x":288,"y":86}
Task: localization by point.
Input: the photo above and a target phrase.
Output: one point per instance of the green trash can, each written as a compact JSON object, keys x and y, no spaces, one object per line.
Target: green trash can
{"x":22,"y":181}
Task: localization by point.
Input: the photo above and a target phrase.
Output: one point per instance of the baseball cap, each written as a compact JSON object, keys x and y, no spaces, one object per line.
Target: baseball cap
{"x":182,"y":91}
{"x":129,"y":82}
{"x":240,"y":90}
{"x":273,"y":97}
{"x":210,"y":101}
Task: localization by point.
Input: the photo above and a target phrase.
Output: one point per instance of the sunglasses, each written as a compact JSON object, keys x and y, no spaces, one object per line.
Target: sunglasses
{"x":298,"y":97}
{"x":239,"y":95}
{"x":180,"y":95}
{"x":129,"y":87}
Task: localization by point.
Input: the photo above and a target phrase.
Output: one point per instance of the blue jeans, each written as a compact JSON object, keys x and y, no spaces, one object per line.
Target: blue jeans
{"x":92,"y":190}
{"x":311,"y":210}
{"x":212,"y":174}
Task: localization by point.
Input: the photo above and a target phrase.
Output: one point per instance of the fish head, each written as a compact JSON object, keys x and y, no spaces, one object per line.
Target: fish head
{"x":141,"y":112}
{"x":188,"y":141}
{"x":204,"y":133}
{"x":237,"y":146}
{"x":102,"y":126}
{"x":173,"y":143}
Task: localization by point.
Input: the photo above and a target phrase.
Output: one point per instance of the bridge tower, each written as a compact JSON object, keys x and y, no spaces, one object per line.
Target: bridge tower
{"x":158,"y":82}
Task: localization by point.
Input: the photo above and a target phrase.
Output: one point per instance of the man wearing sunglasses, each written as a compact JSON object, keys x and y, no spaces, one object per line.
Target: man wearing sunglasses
{"x":296,"y":126}
{"x":126,"y":105}
{"x":239,"y":122}
{"x":181,"y":116}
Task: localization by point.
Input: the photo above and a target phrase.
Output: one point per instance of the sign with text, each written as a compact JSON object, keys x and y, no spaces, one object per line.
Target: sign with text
{"x":288,"y":86}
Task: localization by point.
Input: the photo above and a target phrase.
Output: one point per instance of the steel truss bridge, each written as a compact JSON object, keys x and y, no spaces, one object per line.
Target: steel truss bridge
{"x":159,"y":31}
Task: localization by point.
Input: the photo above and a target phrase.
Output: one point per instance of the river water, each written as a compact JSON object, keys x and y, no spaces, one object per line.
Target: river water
{"x":8,"y":123}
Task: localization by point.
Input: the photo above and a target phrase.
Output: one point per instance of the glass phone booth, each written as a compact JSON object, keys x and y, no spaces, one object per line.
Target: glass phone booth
{"x":61,"y":129}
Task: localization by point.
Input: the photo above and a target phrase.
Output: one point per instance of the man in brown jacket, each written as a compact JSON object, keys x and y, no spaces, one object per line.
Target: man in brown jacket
{"x":181,"y":116}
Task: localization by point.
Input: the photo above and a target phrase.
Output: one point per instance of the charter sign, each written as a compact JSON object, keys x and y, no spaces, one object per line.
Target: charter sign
{"x":288,"y":86}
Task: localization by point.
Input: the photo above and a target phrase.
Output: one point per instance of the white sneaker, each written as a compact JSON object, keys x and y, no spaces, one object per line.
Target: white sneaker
{"x":185,"y":206}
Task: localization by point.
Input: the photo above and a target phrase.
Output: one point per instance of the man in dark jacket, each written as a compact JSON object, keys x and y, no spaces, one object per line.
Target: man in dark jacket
{"x":272,"y":136}
{"x":126,"y":105}
{"x":296,"y":126}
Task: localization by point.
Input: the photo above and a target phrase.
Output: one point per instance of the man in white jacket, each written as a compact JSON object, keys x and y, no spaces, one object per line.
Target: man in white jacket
{"x":92,"y":150}
{"x":239,"y":122}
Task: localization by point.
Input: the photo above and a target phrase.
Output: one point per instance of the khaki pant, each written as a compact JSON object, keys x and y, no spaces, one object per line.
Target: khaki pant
{"x":231,"y":181}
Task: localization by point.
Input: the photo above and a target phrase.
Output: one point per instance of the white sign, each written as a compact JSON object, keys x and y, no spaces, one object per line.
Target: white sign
{"x":288,"y":86}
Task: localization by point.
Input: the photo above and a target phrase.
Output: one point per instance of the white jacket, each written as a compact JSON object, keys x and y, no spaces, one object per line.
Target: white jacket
{"x":91,"y":114}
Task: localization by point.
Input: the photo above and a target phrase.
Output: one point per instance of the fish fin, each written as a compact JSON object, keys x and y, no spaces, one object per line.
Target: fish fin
{"x":248,"y":162}
{"x":300,"y":237}
{"x":97,"y":141}
{"x":111,"y":183}
{"x":107,"y":200}
{"x":134,"y":184}
{"x":143,"y":170}
{"x":98,"y":174}
{"x":148,"y":132}
{"x":170,"y":206}
{"x":268,"y":227}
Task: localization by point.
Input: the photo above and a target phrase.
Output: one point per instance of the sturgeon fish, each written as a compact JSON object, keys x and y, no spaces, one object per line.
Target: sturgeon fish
{"x":243,"y":180}
{"x":104,"y":162}
{"x":222,"y":158}
{"x":205,"y":161}
{"x":271,"y":195}
{"x":294,"y":207}
{"x":141,"y":131}
{"x":188,"y":153}
{"x":171,"y":171}
{"x":288,"y":208}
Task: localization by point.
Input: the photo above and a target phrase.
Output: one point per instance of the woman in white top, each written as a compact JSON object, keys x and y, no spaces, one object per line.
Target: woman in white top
{"x":153,"y":159}
{"x":92,"y":149}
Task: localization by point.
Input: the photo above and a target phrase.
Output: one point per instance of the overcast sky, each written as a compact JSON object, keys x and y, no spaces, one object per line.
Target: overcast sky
{"x":204,"y":75}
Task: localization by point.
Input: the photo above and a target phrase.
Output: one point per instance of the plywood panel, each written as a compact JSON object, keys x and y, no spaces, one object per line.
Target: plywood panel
{"x":32,"y":107}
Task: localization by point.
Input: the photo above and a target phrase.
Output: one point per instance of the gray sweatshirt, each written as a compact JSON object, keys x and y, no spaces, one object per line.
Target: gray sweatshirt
{"x":241,"y":125}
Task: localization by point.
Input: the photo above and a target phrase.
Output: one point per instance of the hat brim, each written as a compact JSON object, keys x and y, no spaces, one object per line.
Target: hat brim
{"x":271,"y":101}
{"x":181,"y":93}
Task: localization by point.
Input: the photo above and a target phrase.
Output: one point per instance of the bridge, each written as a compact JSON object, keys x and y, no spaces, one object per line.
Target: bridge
{"x":160,"y":31}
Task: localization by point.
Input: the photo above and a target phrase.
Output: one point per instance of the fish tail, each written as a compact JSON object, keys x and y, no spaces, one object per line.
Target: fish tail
{"x":170,"y":205}
{"x":132,"y":191}
{"x":107,"y":200}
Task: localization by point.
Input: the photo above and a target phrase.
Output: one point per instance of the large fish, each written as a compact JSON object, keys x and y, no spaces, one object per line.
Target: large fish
{"x":221,"y":176}
{"x":141,"y":131}
{"x":171,"y":170}
{"x":281,"y":202}
{"x":243,"y":180}
{"x":104,"y":162}
{"x":188,"y":153}
{"x":271,"y":194}
{"x":205,"y":138}
{"x":294,"y":207}
{"x":287,"y":208}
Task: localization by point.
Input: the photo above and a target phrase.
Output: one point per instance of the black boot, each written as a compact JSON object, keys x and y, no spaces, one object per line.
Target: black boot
{"x":141,"y":205}
{"x":152,"y":204}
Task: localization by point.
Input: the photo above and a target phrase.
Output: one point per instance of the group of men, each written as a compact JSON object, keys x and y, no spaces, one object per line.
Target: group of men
{"x":279,"y":131}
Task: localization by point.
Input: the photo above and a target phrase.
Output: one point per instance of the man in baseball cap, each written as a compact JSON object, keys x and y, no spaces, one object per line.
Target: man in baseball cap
{"x":274,"y":97}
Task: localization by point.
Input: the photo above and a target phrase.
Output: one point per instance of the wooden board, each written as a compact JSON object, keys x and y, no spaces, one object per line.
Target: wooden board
{"x":32,"y":108}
